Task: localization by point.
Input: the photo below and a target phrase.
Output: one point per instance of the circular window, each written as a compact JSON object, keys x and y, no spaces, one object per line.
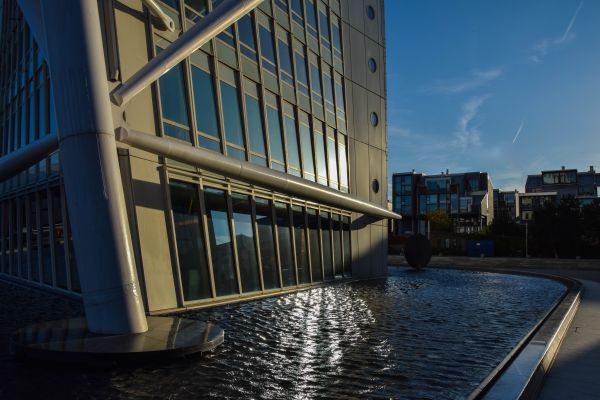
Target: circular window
{"x":370,"y":12}
{"x":374,"y":119}
{"x":375,"y":186}
{"x":372,"y":65}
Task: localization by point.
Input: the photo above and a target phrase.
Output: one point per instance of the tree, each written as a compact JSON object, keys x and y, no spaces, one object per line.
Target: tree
{"x":439,"y":220}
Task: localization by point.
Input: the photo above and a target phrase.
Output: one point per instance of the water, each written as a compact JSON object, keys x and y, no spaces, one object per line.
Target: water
{"x":433,"y":334}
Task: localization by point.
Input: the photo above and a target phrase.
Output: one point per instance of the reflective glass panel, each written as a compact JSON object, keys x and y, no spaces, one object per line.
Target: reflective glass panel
{"x":292,"y":142}
{"x":204,"y":102}
{"x":326,"y":245}
{"x":59,"y":240}
{"x":275,"y":134}
{"x":314,"y":242}
{"x":311,"y":17}
{"x":332,"y":163}
{"x":267,"y":50}
{"x":288,"y":273}
{"x":193,"y":266}
{"x":231,"y":115}
{"x":347,"y":249}
{"x":172,"y":95}
{"x":264,"y":220}
{"x":244,"y":238}
{"x":301,"y":245}
{"x":336,"y":228}
{"x":255,"y":125}
{"x":220,"y":242}
{"x":34,"y":235}
{"x":320,"y":158}
{"x":307,"y":157}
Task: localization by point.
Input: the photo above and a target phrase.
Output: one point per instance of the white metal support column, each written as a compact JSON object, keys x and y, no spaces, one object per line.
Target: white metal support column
{"x":94,"y":192}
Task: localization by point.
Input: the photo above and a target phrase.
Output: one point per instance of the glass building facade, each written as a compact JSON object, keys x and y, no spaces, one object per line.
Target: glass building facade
{"x":279,"y":88}
{"x":467,"y":198}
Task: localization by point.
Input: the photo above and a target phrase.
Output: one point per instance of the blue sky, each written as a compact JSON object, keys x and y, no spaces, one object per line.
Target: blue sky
{"x":508,"y":87}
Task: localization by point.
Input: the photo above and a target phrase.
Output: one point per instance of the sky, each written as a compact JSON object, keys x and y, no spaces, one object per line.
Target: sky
{"x":509,"y":87}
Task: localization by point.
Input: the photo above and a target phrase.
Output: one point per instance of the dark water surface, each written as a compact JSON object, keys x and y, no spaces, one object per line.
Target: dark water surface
{"x":435,"y":334}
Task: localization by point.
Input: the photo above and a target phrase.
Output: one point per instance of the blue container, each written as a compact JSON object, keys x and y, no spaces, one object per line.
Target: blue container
{"x":480,"y":248}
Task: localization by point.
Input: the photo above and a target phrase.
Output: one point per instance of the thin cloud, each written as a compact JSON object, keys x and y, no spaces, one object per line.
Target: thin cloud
{"x":541,"y":49}
{"x":468,"y":133}
{"x":475,"y":79}
{"x":518,"y":132}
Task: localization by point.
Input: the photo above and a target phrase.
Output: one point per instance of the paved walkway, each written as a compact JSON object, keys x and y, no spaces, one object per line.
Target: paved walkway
{"x":576,"y":370}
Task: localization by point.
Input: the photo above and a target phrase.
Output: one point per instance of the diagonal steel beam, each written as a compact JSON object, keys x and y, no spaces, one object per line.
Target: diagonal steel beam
{"x":210,"y":26}
{"x":17,"y":161}
{"x":165,"y":20}
{"x":250,"y":173}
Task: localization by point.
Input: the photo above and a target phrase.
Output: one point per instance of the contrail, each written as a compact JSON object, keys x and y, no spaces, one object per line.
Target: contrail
{"x":518,"y":132}
{"x":564,"y":37}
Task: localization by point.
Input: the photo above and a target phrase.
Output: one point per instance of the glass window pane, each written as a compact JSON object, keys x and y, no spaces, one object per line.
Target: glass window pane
{"x":264,"y":220}
{"x":255,"y":125}
{"x":267,"y":50}
{"x":337,"y":245}
{"x":343,"y":163}
{"x":247,"y":41}
{"x":315,"y":81}
{"x":336,"y":37}
{"x":288,"y":273}
{"x":220,"y":242}
{"x":347,"y":249}
{"x":307,"y":157}
{"x":324,"y":26}
{"x":231,"y":115}
{"x":59,"y":240}
{"x":45,"y":231}
{"x":34,"y":235}
{"x":315,"y":249}
{"x":320,"y":158}
{"x":301,"y":73}
{"x":339,"y":101}
{"x":193,"y":267}
{"x":282,"y":4}
{"x":311,"y":17}
{"x":197,"y":5}
{"x":328,"y":89}
{"x":244,"y":237}
{"x":275,"y":141}
{"x":292,"y":142}
{"x":297,"y":13}
{"x":332,"y":163}
{"x":209,"y":144}
{"x":246,"y":31}
{"x":326,"y":245}
{"x":301,"y":245}
{"x":204,"y":102}
{"x":285,"y":62}
{"x":172,"y":95}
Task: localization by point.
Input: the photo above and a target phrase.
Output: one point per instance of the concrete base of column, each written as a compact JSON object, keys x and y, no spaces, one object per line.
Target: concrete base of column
{"x":69,"y":341}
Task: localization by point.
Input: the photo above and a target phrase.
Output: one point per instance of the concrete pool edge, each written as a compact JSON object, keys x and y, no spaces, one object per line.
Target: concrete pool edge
{"x":521,"y":374}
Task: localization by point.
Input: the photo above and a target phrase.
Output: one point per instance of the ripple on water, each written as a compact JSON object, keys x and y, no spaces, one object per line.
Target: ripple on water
{"x":435,"y":334}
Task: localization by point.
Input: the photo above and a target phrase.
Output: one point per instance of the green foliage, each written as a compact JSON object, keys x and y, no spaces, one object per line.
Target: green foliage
{"x":439,"y":220}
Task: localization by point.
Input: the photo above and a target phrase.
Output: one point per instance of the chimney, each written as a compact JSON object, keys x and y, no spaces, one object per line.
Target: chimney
{"x":447,"y":172}
{"x":562,"y":167}
{"x":592,"y":168}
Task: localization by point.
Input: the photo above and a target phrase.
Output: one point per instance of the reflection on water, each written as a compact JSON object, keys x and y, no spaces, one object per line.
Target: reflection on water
{"x":434,"y":334}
